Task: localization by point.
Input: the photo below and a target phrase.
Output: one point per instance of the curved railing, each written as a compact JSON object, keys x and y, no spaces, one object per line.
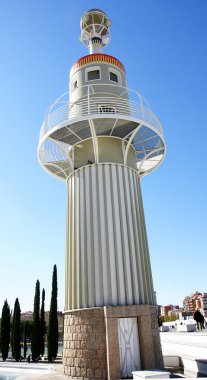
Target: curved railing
{"x":135,"y":107}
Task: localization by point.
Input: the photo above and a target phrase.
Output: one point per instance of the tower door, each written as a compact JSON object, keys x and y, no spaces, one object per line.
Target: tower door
{"x":128,"y":346}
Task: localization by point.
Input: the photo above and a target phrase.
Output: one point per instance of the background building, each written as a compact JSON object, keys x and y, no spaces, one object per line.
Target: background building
{"x":195,"y":301}
{"x":169,"y":309}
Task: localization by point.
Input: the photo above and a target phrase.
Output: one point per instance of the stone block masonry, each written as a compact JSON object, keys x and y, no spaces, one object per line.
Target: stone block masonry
{"x":84,"y":354}
{"x":91,"y":345}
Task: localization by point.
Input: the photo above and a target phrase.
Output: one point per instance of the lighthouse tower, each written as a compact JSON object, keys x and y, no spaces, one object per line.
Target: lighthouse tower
{"x":100,"y":138}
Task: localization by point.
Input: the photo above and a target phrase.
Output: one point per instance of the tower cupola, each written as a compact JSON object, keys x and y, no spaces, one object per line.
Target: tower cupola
{"x":95,"y":33}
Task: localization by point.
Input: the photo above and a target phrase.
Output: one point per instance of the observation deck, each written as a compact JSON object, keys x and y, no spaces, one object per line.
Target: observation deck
{"x":100,"y":113}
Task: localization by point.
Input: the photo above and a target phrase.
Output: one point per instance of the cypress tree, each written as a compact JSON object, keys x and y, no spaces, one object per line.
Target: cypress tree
{"x":42,"y":324}
{"x":16,"y":331}
{"x":35,"y":344}
{"x":12,"y":335}
{"x":24,"y":337}
{"x":52,"y":338}
{"x":5,"y":330}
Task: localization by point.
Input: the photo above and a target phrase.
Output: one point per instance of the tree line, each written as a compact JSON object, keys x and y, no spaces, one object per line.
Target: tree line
{"x":167,"y":318}
{"x":14,"y":333}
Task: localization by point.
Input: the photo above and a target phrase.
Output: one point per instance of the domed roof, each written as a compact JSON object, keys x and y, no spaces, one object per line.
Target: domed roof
{"x":96,"y":10}
{"x":96,"y":13}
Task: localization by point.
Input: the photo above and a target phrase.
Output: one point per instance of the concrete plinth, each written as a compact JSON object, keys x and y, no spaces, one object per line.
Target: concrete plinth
{"x":164,"y":328}
{"x":190,"y":327}
{"x":155,"y":374}
{"x":91,"y":345}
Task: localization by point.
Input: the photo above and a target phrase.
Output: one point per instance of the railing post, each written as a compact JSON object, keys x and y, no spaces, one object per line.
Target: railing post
{"x":129,"y":143}
{"x":89,"y":100}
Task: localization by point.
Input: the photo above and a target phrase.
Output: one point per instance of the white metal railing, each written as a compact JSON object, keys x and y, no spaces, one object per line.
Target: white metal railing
{"x":133,"y":107}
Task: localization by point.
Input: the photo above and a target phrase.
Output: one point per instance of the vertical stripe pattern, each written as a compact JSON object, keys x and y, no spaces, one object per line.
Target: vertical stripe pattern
{"x":107,"y":258}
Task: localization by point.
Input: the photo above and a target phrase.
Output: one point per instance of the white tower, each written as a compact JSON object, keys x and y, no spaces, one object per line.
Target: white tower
{"x":101,"y":138}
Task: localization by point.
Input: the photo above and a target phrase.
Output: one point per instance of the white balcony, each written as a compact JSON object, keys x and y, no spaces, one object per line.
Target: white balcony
{"x":100,"y":110}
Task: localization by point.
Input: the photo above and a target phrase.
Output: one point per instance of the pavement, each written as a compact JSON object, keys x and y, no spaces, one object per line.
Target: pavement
{"x":187,"y":350}
{"x":29,"y":371}
{"x":185,"y":344}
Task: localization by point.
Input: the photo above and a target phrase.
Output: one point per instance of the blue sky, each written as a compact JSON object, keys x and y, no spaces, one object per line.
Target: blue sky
{"x":162,"y":45}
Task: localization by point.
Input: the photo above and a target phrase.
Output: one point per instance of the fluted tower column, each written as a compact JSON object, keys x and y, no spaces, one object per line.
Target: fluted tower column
{"x":107,"y":251}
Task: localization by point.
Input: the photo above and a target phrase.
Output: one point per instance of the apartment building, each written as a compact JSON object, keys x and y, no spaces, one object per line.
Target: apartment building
{"x":169,"y":310}
{"x":197,"y":300}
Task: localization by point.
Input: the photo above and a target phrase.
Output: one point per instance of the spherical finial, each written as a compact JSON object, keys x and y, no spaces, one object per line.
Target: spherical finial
{"x":95,"y":26}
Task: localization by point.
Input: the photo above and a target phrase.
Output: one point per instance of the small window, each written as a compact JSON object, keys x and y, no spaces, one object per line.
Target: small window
{"x":93,"y":74}
{"x":113,"y":77}
{"x":75,"y":84}
{"x":106,"y":109}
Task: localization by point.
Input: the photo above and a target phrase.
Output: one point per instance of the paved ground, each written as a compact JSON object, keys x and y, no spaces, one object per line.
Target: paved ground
{"x":29,"y":371}
{"x":193,"y":344}
{"x":190,"y":347}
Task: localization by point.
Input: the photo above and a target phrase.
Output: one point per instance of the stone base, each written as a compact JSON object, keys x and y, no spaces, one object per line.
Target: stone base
{"x":91,"y":345}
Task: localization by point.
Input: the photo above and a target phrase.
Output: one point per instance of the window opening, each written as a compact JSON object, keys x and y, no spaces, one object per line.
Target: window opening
{"x":106,"y":109}
{"x":93,"y":74}
{"x":113,"y":77}
{"x":75,"y":84}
